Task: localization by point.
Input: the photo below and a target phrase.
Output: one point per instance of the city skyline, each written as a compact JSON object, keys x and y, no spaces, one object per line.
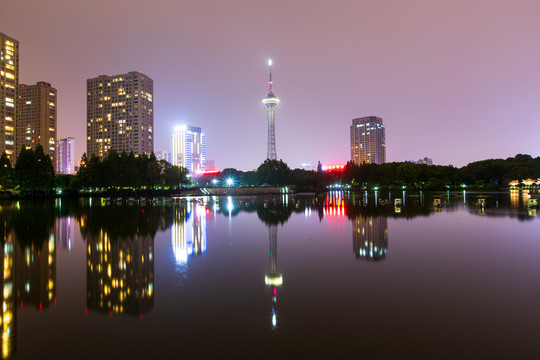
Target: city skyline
{"x":456,"y":73}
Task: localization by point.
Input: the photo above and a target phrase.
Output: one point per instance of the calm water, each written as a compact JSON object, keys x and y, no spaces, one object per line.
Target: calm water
{"x":274,"y":277}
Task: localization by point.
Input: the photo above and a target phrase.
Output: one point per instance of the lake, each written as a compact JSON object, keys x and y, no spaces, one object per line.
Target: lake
{"x":441,"y":275}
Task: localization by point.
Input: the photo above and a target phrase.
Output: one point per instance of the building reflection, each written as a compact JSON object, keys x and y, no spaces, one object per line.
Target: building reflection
{"x":189,"y":231}
{"x":35,"y":273}
{"x":370,"y":237}
{"x":29,"y":266}
{"x":120,"y":275}
{"x":8,"y":318}
{"x":274,"y":279}
{"x":64,"y":230}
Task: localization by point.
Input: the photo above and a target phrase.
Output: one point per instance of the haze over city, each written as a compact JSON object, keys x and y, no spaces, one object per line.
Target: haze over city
{"x":455,"y":81}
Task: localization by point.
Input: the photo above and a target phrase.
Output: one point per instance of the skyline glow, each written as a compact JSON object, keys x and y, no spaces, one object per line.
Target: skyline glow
{"x":453,"y":81}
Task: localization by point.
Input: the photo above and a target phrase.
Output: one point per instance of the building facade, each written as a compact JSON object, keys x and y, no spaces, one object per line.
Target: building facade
{"x":65,"y":156}
{"x":9,"y":80}
{"x":36,"y":118}
{"x":368,"y":142}
{"x":189,"y":148}
{"x":120,"y":114}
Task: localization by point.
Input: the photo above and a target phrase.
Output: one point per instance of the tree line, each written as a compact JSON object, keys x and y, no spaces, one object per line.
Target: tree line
{"x":33,"y":171}
{"x":489,"y":173}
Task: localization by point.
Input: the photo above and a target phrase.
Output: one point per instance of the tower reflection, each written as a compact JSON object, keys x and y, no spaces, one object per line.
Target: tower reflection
{"x":370,"y":237}
{"x":188,"y":231}
{"x":274,"y":279}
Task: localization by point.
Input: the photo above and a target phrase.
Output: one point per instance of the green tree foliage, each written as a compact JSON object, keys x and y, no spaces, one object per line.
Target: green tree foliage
{"x":274,"y":172}
{"x":6,"y":172}
{"x":34,"y":170}
{"x":128,"y":171}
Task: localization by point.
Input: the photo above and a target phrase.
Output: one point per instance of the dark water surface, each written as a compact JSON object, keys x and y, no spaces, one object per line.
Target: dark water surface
{"x":272,"y":277}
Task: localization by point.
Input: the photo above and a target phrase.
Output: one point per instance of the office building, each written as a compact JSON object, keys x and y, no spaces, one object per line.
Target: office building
{"x":368,"y":142}
{"x":163,"y":155}
{"x":36,"y":118}
{"x":9,"y":80}
{"x":119,"y":114}
{"x":65,"y":156}
{"x":189,"y":148}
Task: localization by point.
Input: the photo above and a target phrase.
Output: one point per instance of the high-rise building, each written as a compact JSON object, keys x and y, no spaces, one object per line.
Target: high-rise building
{"x":119,"y":114}
{"x":9,"y":80}
{"x":271,"y":101}
{"x":189,"y":148}
{"x":36,"y":118}
{"x":163,"y":155}
{"x":65,"y":156}
{"x":368,"y":144}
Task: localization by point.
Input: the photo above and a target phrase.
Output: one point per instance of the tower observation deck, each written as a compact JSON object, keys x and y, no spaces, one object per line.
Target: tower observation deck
{"x":271,"y":101}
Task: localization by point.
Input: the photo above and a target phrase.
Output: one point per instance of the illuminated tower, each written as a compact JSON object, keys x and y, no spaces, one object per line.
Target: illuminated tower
{"x":274,"y":279}
{"x":271,"y":102}
{"x":9,"y":79}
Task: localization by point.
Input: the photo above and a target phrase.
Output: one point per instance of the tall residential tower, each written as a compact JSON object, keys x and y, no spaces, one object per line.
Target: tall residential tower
{"x":120,"y":114}
{"x":36,"y":118}
{"x":368,"y":144}
{"x":9,"y":80}
{"x":271,"y":101}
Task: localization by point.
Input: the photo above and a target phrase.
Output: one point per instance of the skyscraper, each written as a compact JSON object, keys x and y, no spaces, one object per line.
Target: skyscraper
{"x":368,"y":144}
{"x":9,"y":80}
{"x":119,"y":114}
{"x":189,"y":148}
{"x":65,"y":156}
{"x":36,"y":118}
{"x":271,"y":101}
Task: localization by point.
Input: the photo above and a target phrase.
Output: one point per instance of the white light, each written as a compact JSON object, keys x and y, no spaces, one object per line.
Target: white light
{"x":180,"y":128}
{"x":269,"y":62}
{"x":230,"y":181}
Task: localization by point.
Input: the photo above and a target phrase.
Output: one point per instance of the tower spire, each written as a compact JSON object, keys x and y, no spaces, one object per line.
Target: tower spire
{"x":270,"y":85}
{"x":271,"y":101}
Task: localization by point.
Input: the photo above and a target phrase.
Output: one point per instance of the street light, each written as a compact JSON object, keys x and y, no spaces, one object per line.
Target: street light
{"x":229,"y":182}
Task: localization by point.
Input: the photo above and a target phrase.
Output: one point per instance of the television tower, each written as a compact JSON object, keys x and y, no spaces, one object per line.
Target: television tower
{"x":271,"y":101}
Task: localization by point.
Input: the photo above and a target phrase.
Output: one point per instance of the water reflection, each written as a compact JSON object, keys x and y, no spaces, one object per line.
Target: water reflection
{"x":370,"y":237}
{"x":29,"y":265}
{"x":189,"y":231}
{"x":120,"y":275}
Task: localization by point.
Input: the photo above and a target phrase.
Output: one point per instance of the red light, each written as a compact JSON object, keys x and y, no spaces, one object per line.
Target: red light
{"x":208,"y":172}
{"x":40,"y":306}
{"x":54,"y":301}
{"x":86,"y":310}
{"x":142,"y":211}
{"x":110,"y":313}
{"x":141,"y":315}
{"x":21,"y":305}
{"x":275,"y":291}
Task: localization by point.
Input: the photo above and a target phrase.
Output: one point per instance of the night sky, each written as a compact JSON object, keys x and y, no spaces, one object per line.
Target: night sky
{"x":456,"y":81}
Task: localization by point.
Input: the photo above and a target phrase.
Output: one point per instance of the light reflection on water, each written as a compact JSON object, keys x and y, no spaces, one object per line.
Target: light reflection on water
{"x":449,"y":243}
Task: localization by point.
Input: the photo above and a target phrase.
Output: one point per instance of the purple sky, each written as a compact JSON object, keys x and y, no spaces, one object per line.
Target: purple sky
{"x":457,"y":81}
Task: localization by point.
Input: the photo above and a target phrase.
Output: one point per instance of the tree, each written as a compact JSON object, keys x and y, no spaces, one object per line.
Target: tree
{"x":6,"y":172}
{"x":274,"y":172}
